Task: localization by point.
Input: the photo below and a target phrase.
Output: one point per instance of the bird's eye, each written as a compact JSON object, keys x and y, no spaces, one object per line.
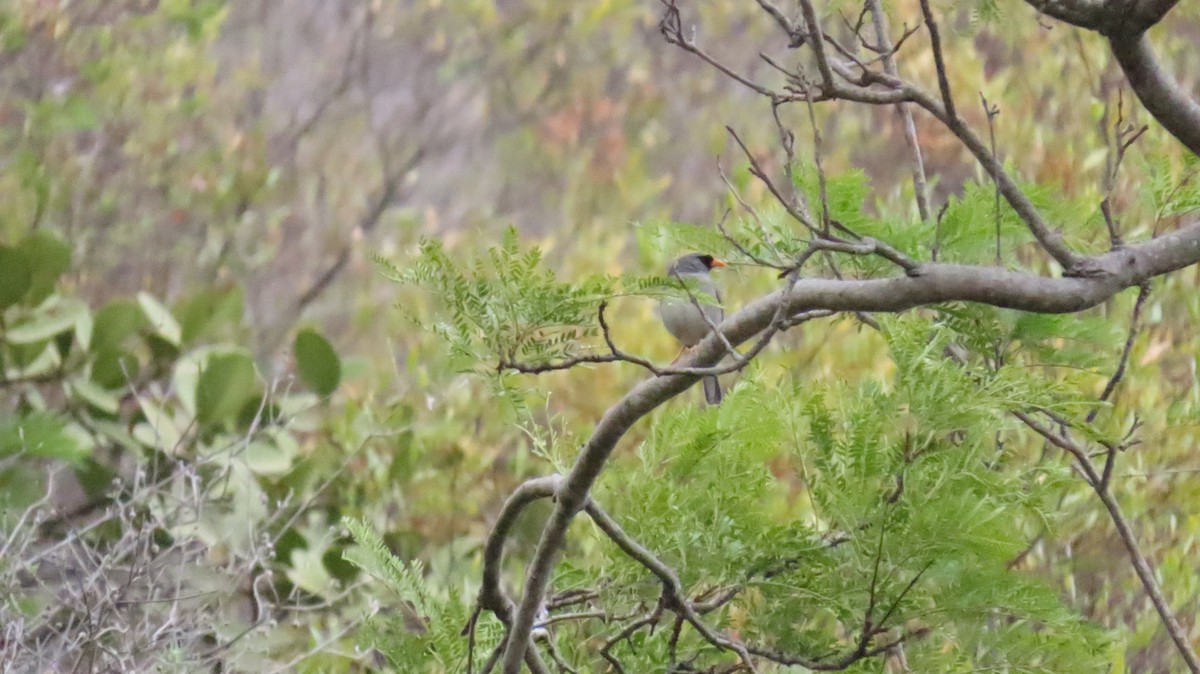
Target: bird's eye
{"x":707,"y":260}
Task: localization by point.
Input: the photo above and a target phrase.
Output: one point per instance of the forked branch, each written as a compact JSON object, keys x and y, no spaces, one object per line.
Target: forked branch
{"x":1086,"y":282}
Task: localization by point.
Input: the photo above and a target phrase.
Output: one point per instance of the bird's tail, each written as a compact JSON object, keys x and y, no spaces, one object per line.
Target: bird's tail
{"x":712,"y":390}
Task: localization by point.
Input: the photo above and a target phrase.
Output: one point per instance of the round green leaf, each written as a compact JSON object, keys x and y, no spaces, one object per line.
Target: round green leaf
{"x":161,"y":320}
{"x":39,"y":434}
{"x":34,"y":360}
{"x":226,"y":382}
{"x":54,"y":317}
{"x":88,"y":392}
{"x":318,"y":363}
{"x":211,"y":313}
{"x":160,"y":430}
{"x":114,"y":323}
{"x":15,"y":276}
{"x":114,"y":369}
{"x":48,"y":258}
{"x":257,"y":409}
{"x":268,"y":458}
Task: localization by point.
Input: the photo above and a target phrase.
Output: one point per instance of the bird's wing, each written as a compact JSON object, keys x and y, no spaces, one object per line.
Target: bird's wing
{"x":715,"y":313}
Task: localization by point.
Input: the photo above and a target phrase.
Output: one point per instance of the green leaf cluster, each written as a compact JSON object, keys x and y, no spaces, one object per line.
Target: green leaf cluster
{"x":900,"y":484}
{"x":425,"y":633}
{"x":504,"y":304}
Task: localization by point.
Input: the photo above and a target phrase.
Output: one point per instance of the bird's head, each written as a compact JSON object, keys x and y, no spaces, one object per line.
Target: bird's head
{"x":695,"y":263}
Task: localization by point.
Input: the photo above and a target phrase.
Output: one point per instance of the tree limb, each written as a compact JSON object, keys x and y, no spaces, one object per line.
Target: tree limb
{"x":491,"y":596}
{"x":1087,"y":281}
{"x":934,"y":283}
{"x":1125,"y":25}
{"x":1158,"y":92}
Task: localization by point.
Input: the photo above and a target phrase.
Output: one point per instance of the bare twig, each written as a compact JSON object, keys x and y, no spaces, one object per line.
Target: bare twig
{"x":557,"y":657}
{"x":757,"y":171}
{"x":1123,"y":361}
{"x":626,"y":632}
{"x":939,"y":59}
{"x":787,"y":140}
{"x":671,"y":27}
{"x":674,"y":597}
{"x":887,"y":55}
{"x":1123,"y":138}
{"x":813,"y":26}
{"x":937,"y":232}
{"x":746,"y":252}
{"x":991,"y":111}
{"x":1141,"y":565}
{"x":616,"y":355}
{"x":899,"y":91}
{"x":821,"y":187}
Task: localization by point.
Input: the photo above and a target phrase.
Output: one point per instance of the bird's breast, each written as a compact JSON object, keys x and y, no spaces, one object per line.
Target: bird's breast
{"x":685,"y":322}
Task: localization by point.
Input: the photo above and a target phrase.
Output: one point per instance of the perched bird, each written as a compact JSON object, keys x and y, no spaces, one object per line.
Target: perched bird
{"x":683,"y":319}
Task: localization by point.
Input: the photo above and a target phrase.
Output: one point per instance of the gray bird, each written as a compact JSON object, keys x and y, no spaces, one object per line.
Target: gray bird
{"x":681,"y":317}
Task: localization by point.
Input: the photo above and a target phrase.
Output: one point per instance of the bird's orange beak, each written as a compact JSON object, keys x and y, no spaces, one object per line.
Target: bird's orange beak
{"x":718,"y":263}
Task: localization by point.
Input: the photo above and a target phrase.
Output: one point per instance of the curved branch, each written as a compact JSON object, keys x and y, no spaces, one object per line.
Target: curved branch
{"x":1125,"y":25}
{"x":1161,"y":95}
{"x":491,"y":597}
{"x":932,"y":283}
{"x":1108,"y":18}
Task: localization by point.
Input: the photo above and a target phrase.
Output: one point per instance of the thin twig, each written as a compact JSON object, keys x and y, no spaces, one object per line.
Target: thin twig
{"x":616,"y":355}
{"x":991,"y":111}
{"x":821,"y":186}
{"x":1124,"y":138}
{"x":887,"y":55}
{"x":671,"y":27}
{"x":625,"y":633}
{"x":757,"y":171}
{"x":1119,"y":373}
{"x":813,"y":26}
{"x":939,"y":59}
{"x":1141,"y":566}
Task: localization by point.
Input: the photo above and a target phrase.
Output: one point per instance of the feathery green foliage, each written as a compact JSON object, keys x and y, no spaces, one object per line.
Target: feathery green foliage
{"x":422,"y":634}
{"x":504,"y":304}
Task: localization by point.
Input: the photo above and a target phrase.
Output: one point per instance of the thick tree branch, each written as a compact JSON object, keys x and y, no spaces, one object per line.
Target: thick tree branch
{"x":1108,"y":18}
{"x":491,"y":595}
{"x":1158,"y":92}
{"x":934,"y":283}
{"x":1087,"y":281}
{"x":1125,"y":25}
